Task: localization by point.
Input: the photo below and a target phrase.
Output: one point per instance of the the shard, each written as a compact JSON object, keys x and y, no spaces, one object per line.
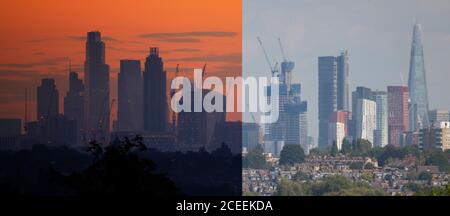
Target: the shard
{"x":417,"y":83}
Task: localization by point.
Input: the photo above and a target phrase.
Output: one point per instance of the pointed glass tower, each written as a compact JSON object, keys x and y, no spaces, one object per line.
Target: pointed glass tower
{"x":417,"y":83}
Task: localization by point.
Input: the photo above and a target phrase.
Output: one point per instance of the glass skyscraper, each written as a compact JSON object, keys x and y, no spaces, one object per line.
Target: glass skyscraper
{"x":417,"y":83}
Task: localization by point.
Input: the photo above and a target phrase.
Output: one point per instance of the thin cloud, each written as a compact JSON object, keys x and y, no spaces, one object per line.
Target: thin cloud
{"x":38,"y":40}
{"x":233,"y":57}
{"x":83,"y":38}
{"x":179,"y":40}
{"x":188,"y":34}
{"x":45,"y":62}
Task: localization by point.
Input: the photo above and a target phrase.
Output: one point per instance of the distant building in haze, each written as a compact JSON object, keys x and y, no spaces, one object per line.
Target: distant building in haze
{"x":10,"y":133}
{"x":130,"y":107}
{"x":197,"y":129}
{"x":417,"y":83}
{"x":74,"y":103}
{"x":47,"y":100}
{"x":435,"y":137}
{"x":398,"y":115}
{"x":337,"y":129}
{"x":381,"y":137}
{"x":333,"y":91}
{"x":327,"y":95}
{"x":155,"y":93}
{"x":365,"y":119}
{"x":437,"y":116}
{"x":96,"y":75}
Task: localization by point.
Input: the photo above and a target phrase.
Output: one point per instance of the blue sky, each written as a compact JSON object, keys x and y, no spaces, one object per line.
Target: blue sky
{"x":377,"y":35}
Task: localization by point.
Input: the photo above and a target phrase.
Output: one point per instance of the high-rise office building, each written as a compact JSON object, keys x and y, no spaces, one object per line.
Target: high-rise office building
{"x":10,"y":133}
{"x":96,"y":74}
{"x":360,"y":93}
{"x":436,"y":136}
{"x":437,"y":116}
{"x":365,"y":119}
{"x":333,"y":91}
{"x":130,"y":113}
{"x":74,"y":102}
{"x":292,"y":123}
{"x":154,"y":92}
{"x":398,"y":115}
{"x":337,"y":128}
{"x":381,"y":133}
{"x":327,"y":95}
{"x":47,"y":100}
{"x":342,"y":82}
{"x":197,"y":129}
{"x":417,"y":83}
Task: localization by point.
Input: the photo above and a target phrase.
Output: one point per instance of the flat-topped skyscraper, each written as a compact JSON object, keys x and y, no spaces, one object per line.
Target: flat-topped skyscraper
{"x":129,"y":114}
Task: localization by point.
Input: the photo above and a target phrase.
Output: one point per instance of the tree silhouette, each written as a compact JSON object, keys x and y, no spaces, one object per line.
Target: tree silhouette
{"x":118,"y":170}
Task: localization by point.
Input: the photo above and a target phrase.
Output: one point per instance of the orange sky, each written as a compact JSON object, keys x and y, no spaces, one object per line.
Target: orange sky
{"x":38,"y":38}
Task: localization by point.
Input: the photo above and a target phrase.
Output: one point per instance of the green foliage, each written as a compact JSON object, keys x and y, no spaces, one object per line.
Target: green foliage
{"x":292,"y":188}
{"x":346,"y":147}
{"x":330,"y":186}
{"x":301,"y":176}
{"x":291,"y":154}
{"x":429,"y":191}
{"x":334,"y":149}
{"x":117,"y":171}
{"x":369,"y":166}
{"x":318,"y":152}
{"x":437,"y":158}
{"x":425,"y":176}
{"x":356,"y":165}
{"x":255,"y":159}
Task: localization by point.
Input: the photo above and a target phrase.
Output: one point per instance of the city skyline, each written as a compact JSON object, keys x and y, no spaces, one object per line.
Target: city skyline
{"x":44,"y":37}
{"x":379,"y":47}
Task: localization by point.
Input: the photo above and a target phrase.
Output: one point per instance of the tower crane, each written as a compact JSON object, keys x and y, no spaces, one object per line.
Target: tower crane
{"x":274,"y":68}
{"x":282,"y":50}
{"x":172,"y":93}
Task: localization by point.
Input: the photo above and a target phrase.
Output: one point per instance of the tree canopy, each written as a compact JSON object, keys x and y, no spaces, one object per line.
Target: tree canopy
{"x":291,"y":154}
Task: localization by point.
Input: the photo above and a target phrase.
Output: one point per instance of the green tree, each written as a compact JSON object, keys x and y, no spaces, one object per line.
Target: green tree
{"x":292,"y":188}
{"x":334,"y":149}
{"x":291,"y":154}
{"x":362,"y":147}
{"x":356,"y":165}
{"x":438,"y":158}
{"x":346,"y":147}
{"x":425,"y":176}
{"x":255,"y":159}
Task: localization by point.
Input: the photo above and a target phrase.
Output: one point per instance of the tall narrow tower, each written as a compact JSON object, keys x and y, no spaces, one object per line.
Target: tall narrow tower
{"x":417,"y":83}
{"x":154,"y":93}
{"x":96,"y":73}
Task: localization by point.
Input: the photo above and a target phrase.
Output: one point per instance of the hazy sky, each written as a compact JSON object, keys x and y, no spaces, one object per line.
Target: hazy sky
{"x":377,"y":35}
{"x":38,"y":38}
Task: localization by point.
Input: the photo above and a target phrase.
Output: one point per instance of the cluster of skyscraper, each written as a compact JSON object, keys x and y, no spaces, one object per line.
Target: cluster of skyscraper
{"x":395,"y":116}
{"x":142,"y":108}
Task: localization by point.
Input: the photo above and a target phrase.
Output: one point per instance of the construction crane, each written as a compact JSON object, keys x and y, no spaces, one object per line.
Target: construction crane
{"x":274,"y":68}
{"x":203,"y":71}
{"x":172,"y":93}
{"x":282,"y":50}
{"x":101,"y":117}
